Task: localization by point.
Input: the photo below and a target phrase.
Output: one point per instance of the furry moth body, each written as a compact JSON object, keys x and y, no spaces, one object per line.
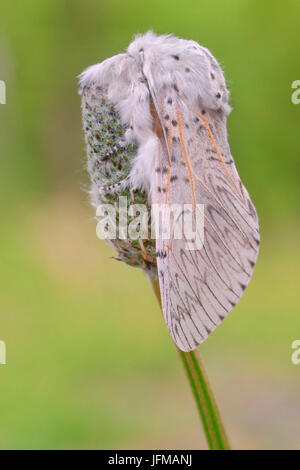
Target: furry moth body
{"x":172,"y":97}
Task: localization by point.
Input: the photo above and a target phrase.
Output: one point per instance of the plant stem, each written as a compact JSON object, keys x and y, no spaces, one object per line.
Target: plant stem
{"x":203,"y":394}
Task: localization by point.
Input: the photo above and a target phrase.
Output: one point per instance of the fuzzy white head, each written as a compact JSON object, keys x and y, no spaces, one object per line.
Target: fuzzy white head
{"x":155,"y":65}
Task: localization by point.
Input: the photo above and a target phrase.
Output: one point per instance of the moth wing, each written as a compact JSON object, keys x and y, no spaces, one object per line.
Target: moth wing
{"x":199,"y":287}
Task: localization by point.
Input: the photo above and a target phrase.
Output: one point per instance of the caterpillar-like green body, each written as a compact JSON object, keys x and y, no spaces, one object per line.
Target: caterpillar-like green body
{"x":108,"y":163}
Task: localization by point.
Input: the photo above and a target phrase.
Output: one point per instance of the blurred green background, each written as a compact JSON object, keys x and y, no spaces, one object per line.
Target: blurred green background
{"x":90,"y":363}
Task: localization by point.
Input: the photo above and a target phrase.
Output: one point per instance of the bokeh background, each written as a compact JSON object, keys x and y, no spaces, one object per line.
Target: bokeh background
{"x":90,"y":363}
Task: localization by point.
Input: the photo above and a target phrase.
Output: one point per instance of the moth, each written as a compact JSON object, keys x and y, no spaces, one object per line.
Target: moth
{"x":171,"y":94}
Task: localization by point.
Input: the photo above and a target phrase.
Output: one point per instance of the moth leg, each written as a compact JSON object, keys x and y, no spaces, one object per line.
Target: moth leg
{"x":115,"y":188}
{"x":145,"y":255}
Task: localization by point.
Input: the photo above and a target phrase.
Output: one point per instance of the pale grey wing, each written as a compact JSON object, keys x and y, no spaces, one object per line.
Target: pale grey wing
{"x":200,"y":287}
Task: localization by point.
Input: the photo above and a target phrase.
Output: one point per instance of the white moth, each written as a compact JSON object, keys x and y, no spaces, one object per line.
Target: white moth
{"x":172,"y":95}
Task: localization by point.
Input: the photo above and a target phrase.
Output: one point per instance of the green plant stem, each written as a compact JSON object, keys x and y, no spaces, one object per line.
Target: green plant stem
{"x":203,"y":394}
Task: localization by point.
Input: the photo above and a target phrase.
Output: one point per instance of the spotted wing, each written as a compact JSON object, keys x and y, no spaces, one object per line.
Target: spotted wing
{"x":199,"y":287}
